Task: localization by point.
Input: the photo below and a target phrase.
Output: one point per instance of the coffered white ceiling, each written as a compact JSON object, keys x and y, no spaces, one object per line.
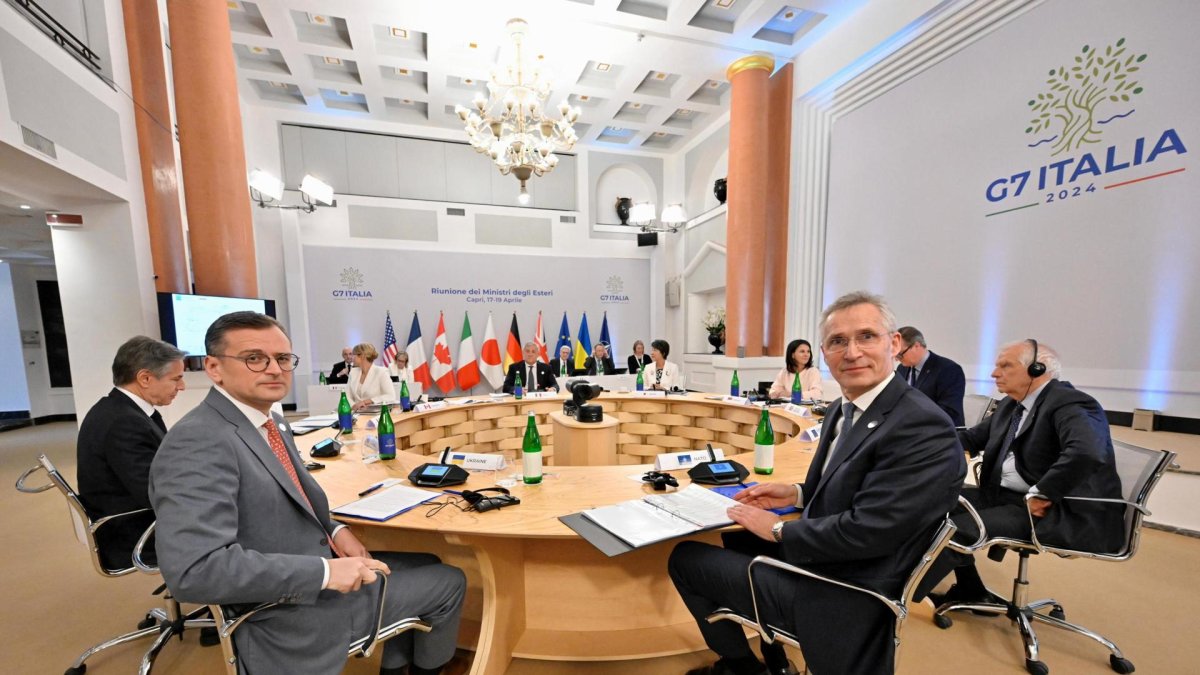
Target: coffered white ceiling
{"x":648,"y":74}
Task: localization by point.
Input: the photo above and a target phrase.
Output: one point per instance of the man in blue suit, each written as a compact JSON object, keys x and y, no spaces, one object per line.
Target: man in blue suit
{"x":887,"y":470}
{"x":937,"y":377}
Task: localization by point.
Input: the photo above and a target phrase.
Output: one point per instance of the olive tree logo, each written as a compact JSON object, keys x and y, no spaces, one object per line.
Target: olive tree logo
{"x":351,"y":278}
{"x":1079,"y":94}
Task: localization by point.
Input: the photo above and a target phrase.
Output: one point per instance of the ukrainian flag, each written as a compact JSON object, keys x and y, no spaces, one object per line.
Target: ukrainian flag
{"x":583,"y":344}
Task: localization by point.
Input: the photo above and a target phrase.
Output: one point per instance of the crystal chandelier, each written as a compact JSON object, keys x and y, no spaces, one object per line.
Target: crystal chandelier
{"x":510,"y":124}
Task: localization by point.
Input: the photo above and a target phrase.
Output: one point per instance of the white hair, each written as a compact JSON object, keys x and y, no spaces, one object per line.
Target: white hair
{"x":1046,"y":355}
{"x":860,"y":298}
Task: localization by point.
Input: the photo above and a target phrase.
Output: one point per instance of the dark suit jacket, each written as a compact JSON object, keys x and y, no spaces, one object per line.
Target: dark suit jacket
{"x":870,"y":515}
{"x":943,"y":382}
{"x":635,"y":366}
{"x":545,"y":377}
{"x":589,"y":366}
{"x":339,"y":373}
{"x":1064,"y":450}
{"x":555,"y":367}
{"x":117,"y":443}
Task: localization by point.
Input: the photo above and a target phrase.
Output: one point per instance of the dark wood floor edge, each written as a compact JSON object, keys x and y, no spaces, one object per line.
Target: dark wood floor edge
{"x":1172,"y":529}
{"x":1180,"y":425}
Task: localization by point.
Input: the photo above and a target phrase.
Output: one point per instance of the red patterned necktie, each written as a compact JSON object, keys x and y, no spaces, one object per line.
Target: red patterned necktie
{"x":276,"y":442}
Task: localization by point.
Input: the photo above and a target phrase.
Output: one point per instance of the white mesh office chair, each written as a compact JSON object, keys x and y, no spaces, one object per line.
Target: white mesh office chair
{"x":1139,"y":470}
{"x":898,"y":605}
{"x":163,"y":622}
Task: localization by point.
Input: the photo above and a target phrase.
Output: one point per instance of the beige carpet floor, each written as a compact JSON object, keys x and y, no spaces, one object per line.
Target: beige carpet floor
{"x":56,"y":606}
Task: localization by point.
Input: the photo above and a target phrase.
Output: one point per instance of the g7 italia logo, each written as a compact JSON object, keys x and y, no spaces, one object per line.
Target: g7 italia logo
{"x":1069,"y":117}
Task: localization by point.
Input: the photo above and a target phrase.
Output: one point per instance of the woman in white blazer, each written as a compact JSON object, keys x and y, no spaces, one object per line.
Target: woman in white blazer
{"x":661,"y":373}
{"x":368,"y":384}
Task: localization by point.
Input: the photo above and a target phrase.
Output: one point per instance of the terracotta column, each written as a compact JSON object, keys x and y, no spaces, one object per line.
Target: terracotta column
{"x":779,"y":164}
{"x":210,"y":143}
{"x":746,"y":219}
{"x":156,"y":145}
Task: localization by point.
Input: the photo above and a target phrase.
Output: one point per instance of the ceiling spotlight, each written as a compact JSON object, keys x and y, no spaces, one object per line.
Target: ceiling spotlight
{"x":265,"y":188}
{"x":603,"y":67}
{"x":400,"y":33}
{"x":333,"y":60}
{"x":25,"y":207}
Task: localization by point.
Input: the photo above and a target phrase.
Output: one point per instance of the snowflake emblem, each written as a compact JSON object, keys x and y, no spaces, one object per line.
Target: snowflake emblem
{"x":615,"y":284}
{"x":351,"y":278}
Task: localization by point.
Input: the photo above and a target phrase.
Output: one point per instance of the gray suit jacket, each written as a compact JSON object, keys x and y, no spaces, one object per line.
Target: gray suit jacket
{"x":233,"y":528}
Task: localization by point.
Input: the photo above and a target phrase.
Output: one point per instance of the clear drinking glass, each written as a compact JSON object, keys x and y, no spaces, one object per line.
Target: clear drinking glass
{"x":511,"y":473}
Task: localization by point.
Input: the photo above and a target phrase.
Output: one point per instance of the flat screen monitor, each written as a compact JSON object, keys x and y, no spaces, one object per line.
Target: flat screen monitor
{"x":183,"y":319}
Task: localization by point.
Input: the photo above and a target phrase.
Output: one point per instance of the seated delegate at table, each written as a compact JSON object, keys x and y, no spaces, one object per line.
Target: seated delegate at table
{"x":369,"y":384}
{"x":887,"y":469}
{"x":639,"y":358}
{"x":939,"y":378}
{"x":799,"y":358}
{"x":661,"y":374}
{"x":535,"y":375}
{"x":399,"y":367}
{"x":563,"y":365}
{"x":340,"y":371}
{"x":599,"y":363}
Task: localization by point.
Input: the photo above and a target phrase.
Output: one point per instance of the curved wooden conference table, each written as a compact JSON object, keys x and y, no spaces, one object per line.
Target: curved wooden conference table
{"x":536,"y":589}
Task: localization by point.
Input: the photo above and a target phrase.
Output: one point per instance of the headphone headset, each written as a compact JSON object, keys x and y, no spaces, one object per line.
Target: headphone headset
{"x":1035,"y":369}
{"x":660,"y":480}
{"x":477,"y":501}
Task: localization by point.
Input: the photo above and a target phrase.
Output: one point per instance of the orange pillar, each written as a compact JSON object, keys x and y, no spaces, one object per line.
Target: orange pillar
{"x":779,"y":164}
{"x":156,"y":145}
{"x":749,"y":134}
{"x":210,"y":143}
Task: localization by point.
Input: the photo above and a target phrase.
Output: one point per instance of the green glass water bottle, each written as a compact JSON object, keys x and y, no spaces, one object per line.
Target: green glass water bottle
{"x":735,"y":387}
{"x":518,"y":390}
{"x":345,"y":415}
{"x":531,"y":452}
{"x":405,"y":397}
{"x":322,"y":379}
{"x":641,"y":381}
{"x":797,"y":394}
{"x":764,"y":445}
{"x":387,"y":435}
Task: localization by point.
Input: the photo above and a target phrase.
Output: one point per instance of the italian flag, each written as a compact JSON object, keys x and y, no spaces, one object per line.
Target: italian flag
{"x":440,"y":366}
{"x":489,"y":356}
{"x":468,"y":365}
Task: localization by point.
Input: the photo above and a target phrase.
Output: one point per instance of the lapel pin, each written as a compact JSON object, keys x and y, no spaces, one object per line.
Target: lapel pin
{"x":872,"y":424}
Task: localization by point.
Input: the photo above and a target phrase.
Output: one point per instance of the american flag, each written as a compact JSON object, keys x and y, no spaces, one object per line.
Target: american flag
{"x":389,"y":342}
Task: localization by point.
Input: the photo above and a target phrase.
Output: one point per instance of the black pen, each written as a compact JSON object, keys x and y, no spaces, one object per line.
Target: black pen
{"x":371,"y":489}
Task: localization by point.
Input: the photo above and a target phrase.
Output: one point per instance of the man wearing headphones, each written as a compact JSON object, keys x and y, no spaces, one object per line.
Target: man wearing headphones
{"x":1048,"y":439}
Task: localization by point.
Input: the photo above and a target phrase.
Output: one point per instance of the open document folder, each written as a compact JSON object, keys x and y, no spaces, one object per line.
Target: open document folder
{"x":385,"y":504}
{"x":636,"y":523}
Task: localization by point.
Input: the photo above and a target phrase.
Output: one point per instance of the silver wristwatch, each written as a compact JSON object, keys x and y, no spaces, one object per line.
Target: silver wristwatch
{"x":777,"y":531}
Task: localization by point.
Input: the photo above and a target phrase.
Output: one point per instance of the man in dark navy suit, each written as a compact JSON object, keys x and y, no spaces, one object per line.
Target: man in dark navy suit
{"x":118,"y":440}
{"x":535,"y":375}
{"x":340,"y":372}
{"x":1048,"y":439}
{"x":887,"y":470}
{"x":937,"y":377}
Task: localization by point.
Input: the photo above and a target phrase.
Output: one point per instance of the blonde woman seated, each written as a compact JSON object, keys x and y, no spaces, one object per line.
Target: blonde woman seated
{"x":799,"y":358}
{"x":661,"y":373}
{"x":369,"y":384}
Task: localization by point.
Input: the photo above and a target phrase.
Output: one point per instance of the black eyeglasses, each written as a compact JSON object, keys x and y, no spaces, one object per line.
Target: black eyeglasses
{"x":257,"y":363}
{"x":904,"y":351}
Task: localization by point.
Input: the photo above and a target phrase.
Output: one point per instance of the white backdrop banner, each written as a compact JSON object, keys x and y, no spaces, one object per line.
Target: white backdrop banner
{"x":350,"y":290}
{"x":1040,"y":183}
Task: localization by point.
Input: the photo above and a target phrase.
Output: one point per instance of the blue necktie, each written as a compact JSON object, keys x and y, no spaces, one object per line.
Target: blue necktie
{"x":836,"y":443}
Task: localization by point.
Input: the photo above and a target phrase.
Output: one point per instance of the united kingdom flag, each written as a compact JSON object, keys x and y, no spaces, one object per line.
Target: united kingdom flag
{"x":389,"y":342}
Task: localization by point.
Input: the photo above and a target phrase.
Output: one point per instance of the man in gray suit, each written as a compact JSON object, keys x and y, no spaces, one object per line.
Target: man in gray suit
{"x":240,"y":521}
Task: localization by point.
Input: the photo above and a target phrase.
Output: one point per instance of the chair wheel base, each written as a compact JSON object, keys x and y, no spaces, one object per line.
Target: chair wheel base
{"x":148,"y":622}
{"x":1120,"y":665}
{"x":942,"y":621}
{"x":1036,"y":667}
{"x":1058,"y":613}
{"x":77,"y":671}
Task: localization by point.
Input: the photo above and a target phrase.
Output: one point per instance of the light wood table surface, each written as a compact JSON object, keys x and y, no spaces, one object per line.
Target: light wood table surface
{"x":536,"y":589}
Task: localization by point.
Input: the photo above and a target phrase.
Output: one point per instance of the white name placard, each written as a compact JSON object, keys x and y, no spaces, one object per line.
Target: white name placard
{"x":475,"y":461}
{"x":432,"y":405}
{"x":798,"y":410}
{"x":811,"y":434}
{"x":668,"y":461}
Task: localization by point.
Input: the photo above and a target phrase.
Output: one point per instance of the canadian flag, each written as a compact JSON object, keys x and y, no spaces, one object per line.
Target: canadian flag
{"x":468,"y":366}
{"x":440,"y":367}
{"x":489,"y":357}
{"x":539,"y":340}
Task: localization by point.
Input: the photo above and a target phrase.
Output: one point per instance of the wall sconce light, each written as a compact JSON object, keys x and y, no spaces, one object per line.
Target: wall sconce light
{"x":673,"y":217}
{"x":266,"y":189}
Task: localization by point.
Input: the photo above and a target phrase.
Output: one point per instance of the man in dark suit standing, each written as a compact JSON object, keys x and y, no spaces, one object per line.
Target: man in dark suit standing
{"x":599,"y":363}
{"x":241,"y":522}
{"x":937,"y":377}
{"x":1048,"y":439}
{"x":887,"y":470}
{"x":340,"y":372}
{"x":118,"y":439}
{"x":535,"y":375}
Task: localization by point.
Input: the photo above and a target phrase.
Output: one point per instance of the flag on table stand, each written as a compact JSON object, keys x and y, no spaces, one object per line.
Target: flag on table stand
{"x":389,"y":342}
{"x":468,"y":366}
{"x":490,"y":356}
{"x":564,"y":336}
{"x":583,"y":344}
{"x":539,"y":339}
{"x":512,"y":348}
{"x":604,"y":338}
{"x":417,"y":364}
{"x":440,"y":367}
